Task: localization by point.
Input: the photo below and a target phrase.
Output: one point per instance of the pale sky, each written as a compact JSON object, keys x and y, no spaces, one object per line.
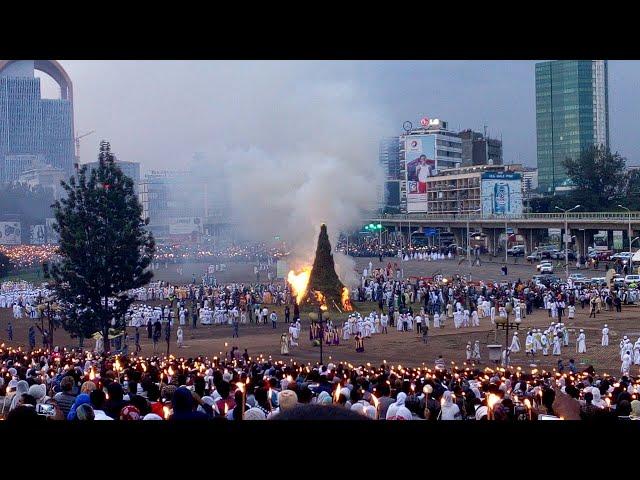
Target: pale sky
{"x":160,"y":112}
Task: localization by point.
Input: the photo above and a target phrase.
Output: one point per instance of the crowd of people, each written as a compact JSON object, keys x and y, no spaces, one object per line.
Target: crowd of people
{"x":84,"y":386}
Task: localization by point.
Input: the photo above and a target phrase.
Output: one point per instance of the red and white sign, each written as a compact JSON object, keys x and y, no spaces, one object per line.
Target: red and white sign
{"x":424,"y":122}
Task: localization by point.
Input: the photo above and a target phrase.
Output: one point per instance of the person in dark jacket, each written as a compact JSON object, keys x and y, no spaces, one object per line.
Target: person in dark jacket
{"x":183,"y":406}
{"x":114,"y":405}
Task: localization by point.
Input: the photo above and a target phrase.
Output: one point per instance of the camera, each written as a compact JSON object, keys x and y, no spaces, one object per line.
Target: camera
{"x":45,"y":409}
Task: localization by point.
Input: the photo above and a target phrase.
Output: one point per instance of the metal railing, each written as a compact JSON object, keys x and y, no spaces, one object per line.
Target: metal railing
{"x":573,"y":216}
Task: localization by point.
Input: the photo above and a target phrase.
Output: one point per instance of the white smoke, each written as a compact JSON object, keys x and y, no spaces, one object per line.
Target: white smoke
{"x":310,"y":156}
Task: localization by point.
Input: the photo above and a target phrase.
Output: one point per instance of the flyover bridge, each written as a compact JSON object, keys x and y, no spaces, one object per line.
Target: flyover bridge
{"x":582,"y":226}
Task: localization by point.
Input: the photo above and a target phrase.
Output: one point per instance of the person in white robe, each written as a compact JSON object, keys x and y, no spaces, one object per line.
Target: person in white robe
{"x":626,"y":363}
{"x":528,"y":344}
{"x":475,"y":319}
{"x":180,"y":335}
{"x":182,"y":316}
{"x":565,"y":332}
{"x":515,"y":343}
{"x":465,"y":318}
{"x":468,"y":351}
{"x":582,"y":342}
{"x":436,"y":320}
{"x":518,"y":313}
{"x":557,"y":343}
{"x":476,"y":351}
{"x":605,"y":336}
{"x":571,"y":309}
{"x":544,"y":341}
{"x":636,"y":352}
{"x":493,"y":314}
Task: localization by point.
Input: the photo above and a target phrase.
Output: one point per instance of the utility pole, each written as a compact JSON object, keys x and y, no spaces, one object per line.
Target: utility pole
{"x":629,"y":232}
{"x":567,"y":237}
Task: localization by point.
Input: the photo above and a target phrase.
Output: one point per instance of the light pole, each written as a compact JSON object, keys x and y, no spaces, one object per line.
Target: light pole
{"x":469,"y":237}
{"x":567,"y":237}
{"x":629,"y":233}
{"x":630,"y":243}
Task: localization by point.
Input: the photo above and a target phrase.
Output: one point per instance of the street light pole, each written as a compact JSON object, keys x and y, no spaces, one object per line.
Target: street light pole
{"x":567,"y":237}
{"x":629,"y":232}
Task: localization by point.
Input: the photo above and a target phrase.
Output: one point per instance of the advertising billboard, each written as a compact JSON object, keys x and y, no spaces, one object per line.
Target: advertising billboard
{"x":501,"y":194}
{"x":617,"y":240}
{"x":38,"y":235}
{"x":52,"y":235}
{"x":185,"y":226}
{"x":420,"y":161}
{"x":10,"y":233}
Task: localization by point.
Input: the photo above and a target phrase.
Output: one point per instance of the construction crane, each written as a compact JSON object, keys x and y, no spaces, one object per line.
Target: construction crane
{"x":77,"y":139}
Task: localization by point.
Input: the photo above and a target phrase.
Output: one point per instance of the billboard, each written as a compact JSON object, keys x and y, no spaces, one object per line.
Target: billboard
{"x":38,"y":234}
{"x":420,"y":162}
{"x":10,"y":233}
{"x":501,"y":194}
{"x":51,"y":234}
{"x":185,"y":226}
{"x":617,"y":240}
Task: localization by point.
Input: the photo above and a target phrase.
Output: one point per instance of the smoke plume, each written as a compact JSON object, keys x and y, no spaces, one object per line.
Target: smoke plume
{"x":310,"y":156}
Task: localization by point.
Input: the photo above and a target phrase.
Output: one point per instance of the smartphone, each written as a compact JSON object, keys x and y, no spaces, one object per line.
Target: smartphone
{"x":45,"y":409}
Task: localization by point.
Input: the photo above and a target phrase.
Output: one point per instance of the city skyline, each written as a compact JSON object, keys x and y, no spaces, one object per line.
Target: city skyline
{"x":212,"y":103}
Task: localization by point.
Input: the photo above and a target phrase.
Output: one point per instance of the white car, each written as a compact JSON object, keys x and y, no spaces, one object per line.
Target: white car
{"x":629,"y":279}
{"x":546,"y":267}
{"x":577,"y":276}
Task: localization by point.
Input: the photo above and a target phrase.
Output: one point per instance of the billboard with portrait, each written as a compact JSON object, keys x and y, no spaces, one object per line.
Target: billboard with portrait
{"x":10,"y":233}
{"x":420,"y":161}
{"x":501,"y":194}
{"x":38,"y":234}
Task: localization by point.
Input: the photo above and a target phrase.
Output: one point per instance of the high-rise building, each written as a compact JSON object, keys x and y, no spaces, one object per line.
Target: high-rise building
{"x":424,"y":151}
{"x":130,"y":169}
{"x":186,"y":202}
{"x":389,"y":159}
{"x":32,"y":127}
{"x":479,"y":149}
{"x":572,"y":114}
{"x":529,"y":180}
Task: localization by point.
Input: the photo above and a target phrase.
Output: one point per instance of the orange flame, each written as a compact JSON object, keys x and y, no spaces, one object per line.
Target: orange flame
{"x":320,"y":298}
{"x":346,"y":302}
{"x":299,"y":282}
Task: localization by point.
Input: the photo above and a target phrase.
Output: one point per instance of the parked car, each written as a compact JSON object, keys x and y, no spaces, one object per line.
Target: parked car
{"x":546,"y":267}
{"x":599,"y":281}
{"x":629,"y":279}
{"x":577,"y":276}
{"x":618,"y":279}
{"x":559,"y":255}
{"x":516,"y":251}
{"x":534,"y":257}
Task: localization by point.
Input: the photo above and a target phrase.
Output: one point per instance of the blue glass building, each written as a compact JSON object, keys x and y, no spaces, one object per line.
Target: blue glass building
{"x":34,"y":130}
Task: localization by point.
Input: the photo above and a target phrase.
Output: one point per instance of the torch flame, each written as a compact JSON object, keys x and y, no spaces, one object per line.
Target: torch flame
{"x":299,"y":282}
{"x":346,"y":302}
{"x":92,"y":375}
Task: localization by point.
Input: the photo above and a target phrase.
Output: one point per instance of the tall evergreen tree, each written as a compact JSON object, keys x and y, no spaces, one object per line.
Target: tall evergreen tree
{"x":600,"y":178}
{"x":104,"y":247}
{"x":323,"y":274}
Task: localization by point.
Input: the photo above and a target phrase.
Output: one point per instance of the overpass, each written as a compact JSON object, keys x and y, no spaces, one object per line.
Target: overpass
{"x":582,"y":225}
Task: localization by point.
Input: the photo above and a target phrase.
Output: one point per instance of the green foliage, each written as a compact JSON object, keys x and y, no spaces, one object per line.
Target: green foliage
{"x":600,"y":179}
{"x":323,"y":274}
{"x":5,"y":265}
{"x":105,"y":248}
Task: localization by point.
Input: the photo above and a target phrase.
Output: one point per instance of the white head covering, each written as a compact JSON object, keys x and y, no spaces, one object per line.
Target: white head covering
{"x":151,"y":416}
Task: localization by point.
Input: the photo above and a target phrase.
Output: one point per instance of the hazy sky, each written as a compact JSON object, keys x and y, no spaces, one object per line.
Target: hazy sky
{"x":160,"y":112}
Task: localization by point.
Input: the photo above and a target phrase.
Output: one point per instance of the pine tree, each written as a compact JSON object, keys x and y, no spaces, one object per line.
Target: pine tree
{"x":323,"y":274}
{"x":105,"y":248}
